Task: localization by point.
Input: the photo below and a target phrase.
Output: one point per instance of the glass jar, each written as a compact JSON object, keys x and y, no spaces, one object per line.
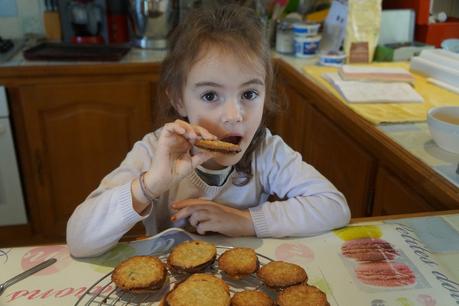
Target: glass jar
{"x":284,"y":36}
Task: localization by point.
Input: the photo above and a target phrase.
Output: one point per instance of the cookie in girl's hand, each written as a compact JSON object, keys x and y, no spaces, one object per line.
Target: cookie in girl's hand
{"x":140,"y":274}
{"x":218,"y":146}
{"x":192,"y":256}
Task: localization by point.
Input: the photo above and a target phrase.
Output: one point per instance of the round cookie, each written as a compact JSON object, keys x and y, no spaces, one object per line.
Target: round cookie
{"x":238,"y":262}
{"x":281,"y":274}
{"x":251,"y":298}
{"x":199,"y":290}
{"x":192,"y":256}
{"x":302,"y":295}
{"x":140,"y":273}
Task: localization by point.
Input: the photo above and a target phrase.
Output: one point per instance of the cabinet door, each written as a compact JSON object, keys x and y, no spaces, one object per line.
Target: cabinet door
{"x":290,"y":120}
{"x":341,"y":160}
{"x":76,"y":133}
{"x":392,"y":196}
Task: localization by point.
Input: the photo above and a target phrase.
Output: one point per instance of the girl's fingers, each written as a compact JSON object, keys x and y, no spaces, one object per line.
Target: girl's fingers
{"x":206,"y":226}
{"x":190,"y":202}
{"x":200,"y":158}
{"x":187,"y":212}
{"x":205,"y":134}
{"x":189,"y":131}
{"x":198,"y":216}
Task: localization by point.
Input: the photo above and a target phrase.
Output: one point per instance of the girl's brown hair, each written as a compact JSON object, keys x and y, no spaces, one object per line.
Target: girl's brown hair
{"x":231,"y":28}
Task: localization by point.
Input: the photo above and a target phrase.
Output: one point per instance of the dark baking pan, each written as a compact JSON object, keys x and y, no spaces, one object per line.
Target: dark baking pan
{"x":68,"y":52}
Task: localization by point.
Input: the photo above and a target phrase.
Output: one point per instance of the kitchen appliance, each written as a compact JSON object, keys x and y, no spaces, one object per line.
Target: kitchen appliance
{"x":151,"y":21}
{"x":12,"y":209}
{"x":84,"y":21}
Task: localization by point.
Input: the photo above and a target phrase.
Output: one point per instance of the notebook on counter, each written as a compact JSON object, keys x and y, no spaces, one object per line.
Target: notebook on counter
{"x":374,"y":92}
{"x":375,"y":74}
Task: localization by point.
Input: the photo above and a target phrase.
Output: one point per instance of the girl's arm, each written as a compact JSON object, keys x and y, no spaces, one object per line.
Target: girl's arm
{"x":312,"y":206}
{"x":107,"y":214}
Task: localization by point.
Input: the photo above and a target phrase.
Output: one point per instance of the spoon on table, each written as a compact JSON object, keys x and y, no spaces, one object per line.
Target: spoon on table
{"x":26,"y":273}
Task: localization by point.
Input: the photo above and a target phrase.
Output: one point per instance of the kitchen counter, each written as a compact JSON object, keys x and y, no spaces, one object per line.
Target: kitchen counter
{"x":427,"y":245}
{"x":413,"y":137}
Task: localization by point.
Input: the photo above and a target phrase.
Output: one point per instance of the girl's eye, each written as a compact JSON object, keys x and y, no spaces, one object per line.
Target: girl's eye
{"x":209,"y":96}
{"x":249,"y":95}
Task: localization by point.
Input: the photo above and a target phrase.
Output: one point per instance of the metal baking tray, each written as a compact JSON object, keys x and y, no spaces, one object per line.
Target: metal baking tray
{"x":104,"y":291}
{"x":68,"y":52}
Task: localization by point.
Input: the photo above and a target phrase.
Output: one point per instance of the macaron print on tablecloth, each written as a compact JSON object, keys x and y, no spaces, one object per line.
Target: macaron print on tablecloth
{"x":385,"y":264}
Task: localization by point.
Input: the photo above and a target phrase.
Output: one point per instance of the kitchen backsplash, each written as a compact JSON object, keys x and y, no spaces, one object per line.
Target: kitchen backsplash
{"x":21,"y":17}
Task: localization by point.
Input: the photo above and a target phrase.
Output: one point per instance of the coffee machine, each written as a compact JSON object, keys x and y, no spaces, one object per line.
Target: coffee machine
{"x":84,"y":21}
{"x":151,"y":22}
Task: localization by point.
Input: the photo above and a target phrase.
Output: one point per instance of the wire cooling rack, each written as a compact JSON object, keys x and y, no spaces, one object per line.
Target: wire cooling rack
{"x":104,"y":291}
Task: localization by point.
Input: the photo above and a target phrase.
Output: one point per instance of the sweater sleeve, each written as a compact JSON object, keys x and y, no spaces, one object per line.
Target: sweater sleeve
{"x":312,"y":204}
{"x":107,"y":214}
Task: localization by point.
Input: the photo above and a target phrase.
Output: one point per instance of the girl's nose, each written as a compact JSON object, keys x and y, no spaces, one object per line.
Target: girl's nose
{"x":232,"y":112}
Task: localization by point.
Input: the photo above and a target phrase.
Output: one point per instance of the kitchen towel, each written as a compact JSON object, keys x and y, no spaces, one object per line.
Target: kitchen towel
{"x":377,"y":113}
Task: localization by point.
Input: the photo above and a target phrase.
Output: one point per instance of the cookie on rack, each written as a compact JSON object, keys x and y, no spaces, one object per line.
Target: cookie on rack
{"x":140,"y":274}
{"x":199,"y":289}
{"x":192,"y":256}
{"x":281,"y":274}
{"x":238,"y":262}
{"x":302,"y":295}
{"x":251,"y":298}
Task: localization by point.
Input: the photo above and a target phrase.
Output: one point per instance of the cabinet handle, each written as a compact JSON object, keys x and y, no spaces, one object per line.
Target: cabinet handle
{"x":39,"y":165}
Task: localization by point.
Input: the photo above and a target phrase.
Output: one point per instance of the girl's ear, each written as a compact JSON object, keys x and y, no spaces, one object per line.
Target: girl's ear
{"x":180,"y":108}
{"x":177,"y":104}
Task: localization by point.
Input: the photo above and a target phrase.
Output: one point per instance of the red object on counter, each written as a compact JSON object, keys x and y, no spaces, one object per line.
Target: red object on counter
{"x":97,"y":40}
{"x":117,"y":28}
{"x":433,"y":33}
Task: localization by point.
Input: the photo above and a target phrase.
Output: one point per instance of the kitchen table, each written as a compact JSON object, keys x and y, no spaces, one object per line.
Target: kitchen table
{"x":426,"y":244}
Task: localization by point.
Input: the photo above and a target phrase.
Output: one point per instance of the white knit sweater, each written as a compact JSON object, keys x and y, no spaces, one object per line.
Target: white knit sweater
{"x":312,"y":204}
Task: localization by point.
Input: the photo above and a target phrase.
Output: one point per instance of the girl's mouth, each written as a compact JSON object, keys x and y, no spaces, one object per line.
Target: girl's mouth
{"x":232,"y":139}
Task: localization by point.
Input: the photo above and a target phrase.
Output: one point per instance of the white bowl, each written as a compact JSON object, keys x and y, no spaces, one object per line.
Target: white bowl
{"x":443,"y":123}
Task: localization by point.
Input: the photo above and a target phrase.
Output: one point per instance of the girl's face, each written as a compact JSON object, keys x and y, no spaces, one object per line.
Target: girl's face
{"x":226,"y":96}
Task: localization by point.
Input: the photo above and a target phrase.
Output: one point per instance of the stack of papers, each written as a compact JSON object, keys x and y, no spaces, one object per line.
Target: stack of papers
{"x":378,"y":74}
{"x":374,"y":91}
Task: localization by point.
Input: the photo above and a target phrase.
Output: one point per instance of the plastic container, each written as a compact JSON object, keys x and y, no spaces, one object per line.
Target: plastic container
{"x":306,"y":46}
{"x":332,"y":58}
{"x":303,"y":29}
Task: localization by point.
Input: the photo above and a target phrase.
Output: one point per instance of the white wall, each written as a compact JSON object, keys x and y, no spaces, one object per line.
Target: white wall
{"x":26,"y":17}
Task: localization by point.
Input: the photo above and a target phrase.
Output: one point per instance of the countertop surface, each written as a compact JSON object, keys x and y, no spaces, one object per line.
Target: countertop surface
{"x":427,"y":248}
{"x":414,"y":137}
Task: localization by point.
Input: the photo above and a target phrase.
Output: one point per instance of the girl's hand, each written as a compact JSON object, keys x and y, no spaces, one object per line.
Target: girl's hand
{"x":172,"y":160}
{"x":209,"y":216}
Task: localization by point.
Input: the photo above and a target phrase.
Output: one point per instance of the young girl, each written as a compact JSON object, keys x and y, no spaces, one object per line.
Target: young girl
{"x":218,"y":78}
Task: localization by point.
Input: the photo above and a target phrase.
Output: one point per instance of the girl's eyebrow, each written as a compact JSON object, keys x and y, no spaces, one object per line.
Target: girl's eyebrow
{"x":213,"y":84}
{"x":253,"y":81}
{"x":205,"y":84}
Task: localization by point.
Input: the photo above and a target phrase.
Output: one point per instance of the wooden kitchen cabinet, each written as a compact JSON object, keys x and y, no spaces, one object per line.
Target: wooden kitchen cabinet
{"x":71,"y":130}
{"x":358,"y":158}
{"x":393,"y":196}
{"x":324,"y":146}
